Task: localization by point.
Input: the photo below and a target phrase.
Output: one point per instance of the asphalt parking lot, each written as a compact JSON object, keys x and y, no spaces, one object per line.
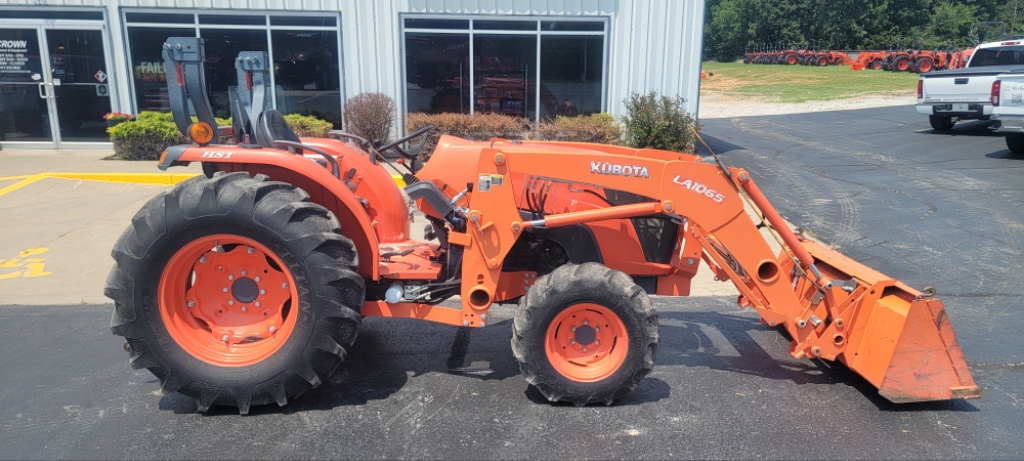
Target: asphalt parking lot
{"x":926,"y":208}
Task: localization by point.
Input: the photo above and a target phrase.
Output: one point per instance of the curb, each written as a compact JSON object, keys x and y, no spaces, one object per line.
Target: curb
{"x":160,"y":179}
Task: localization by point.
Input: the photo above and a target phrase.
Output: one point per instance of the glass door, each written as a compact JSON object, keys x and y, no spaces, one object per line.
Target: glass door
{"x":79,"y":83}
{"x":25,"y":113}
{"x":54,"y":84}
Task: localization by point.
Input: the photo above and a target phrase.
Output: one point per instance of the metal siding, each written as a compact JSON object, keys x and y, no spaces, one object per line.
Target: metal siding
{"x":652,"y":44}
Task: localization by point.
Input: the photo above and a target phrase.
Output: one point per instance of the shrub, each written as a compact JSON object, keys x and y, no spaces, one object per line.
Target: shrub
{"x":658,"y":122}
{"x":596,"y":128}
{"x":308,"y":126}
{"x":118,"y":117}
{"x":145,"y":138}
{"x":370,"y":115}
{"x":480,"y":127}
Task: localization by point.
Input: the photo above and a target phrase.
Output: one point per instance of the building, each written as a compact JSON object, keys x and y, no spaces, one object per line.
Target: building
{"x":66,"y":63}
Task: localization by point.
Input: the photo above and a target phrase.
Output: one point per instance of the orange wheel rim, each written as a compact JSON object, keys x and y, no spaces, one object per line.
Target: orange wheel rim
{"x":586,"y":342}
{"x":228,"y":300}
{"x":902,"y":65}
{"x":926,"y":66}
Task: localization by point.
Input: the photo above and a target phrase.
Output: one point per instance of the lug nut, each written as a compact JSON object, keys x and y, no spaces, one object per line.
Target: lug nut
{"x":483,"y":316}
{"x":284,"y":285}
{"x":586,"y":322}
{"x":273,"y":328}
{"x":191,"y":304}
{"x":231,"y":302}
{"x":597,"y":342}
{"x":597,"y":329}
{"x":202,"y":259}
{"x":263,"y":292}
{"x":572,"y":341}
{"x":257,"y":304}
{"x":243,"y":273}
{"x":220,"y":268}
{"x":251,"y":250}
{"x":572,"y":328}
{"x":584,"y":348}
{"x":257,"y":278}
{"x":231,"y":277}
{"x":225,"y":289}
{"x":225,"y":338}
{"x":244,"y":308}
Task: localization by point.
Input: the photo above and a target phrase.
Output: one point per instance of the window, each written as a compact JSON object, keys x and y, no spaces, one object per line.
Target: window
{"x":999,"y":56}
{"x":437,"y":73}
{"x":503,"y":66}
{"x":570,"y":71}
{"x":521,"y":67}
{"x":222,"y":46}
{"x":149,"y":80}
{"x":306,"y":74}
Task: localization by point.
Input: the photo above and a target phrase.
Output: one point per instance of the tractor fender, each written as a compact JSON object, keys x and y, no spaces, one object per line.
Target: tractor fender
{"x":321,"y":185}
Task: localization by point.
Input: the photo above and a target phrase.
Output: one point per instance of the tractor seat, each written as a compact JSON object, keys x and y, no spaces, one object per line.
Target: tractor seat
{"x":273,"y":127}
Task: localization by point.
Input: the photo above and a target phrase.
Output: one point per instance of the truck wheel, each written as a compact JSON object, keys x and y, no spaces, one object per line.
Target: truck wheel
{"x":941,"y":122}
{"x":585,"y":333}
{"x":236,"y":291}
{"x":1015,"y":142}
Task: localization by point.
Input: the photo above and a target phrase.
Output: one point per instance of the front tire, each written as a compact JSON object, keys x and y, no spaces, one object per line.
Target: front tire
{"x":941,"y":122}
{"x":1015,"y":142}
{"x":235,"y":291}
{"x":585,"y":334}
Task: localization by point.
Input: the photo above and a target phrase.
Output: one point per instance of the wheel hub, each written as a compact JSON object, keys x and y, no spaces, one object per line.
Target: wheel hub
{"x":226,"y":300}
{"x":586,"y":342}
{"x":245,"y":290}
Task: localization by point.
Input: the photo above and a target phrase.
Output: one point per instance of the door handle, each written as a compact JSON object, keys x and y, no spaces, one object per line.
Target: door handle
{"x":42,"y":91}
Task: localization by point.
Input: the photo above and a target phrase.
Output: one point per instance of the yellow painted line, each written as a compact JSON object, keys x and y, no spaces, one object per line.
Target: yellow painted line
{"x":134,"y":178}
{"x":11,"y":178}
{"x":24,"y":182}
{"x":162,"y":179}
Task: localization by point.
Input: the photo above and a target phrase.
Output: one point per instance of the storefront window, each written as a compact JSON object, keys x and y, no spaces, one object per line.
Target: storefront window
{"x":505,"y":70}
{"x":306,"y":74}
{"x":505,"y":66}
{"x":437,"y":73}
{"x":146,"y":45}
{"x":222,"y":47}
{"x":303,"y":48}
{"x":570,"y":75}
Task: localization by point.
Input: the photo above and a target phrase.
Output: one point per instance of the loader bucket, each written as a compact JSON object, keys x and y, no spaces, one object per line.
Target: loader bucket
{"x":857,"y":66}
{"x":897,"y":338}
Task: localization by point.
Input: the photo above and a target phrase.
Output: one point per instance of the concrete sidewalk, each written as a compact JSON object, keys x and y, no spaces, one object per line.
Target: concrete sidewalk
{"x":56,"y":233}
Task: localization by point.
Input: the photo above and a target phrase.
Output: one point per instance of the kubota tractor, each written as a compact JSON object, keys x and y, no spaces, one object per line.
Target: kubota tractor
{"x":246,"y":285}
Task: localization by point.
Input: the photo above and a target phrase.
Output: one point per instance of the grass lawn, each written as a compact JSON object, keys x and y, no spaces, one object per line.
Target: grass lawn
{"x":777,"y":83}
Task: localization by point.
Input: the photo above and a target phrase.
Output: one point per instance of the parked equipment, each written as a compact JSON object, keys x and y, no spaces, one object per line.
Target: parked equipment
{"x":246,"y":285}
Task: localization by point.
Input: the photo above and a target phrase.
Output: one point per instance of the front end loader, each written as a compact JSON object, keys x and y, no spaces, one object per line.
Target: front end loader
{"x":247,"y":285}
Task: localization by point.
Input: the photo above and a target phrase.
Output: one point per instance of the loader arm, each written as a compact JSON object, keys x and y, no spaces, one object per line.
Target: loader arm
{"x":893,"y":336}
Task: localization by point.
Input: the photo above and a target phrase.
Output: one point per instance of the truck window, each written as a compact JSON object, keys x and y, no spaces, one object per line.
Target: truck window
{"x":997,"y":56}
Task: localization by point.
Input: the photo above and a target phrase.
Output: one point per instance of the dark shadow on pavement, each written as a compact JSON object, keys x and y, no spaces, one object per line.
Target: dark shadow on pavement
{"x":689,"y":346}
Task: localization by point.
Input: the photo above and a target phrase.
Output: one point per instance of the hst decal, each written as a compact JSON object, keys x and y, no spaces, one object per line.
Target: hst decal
{"x":215,"y":154}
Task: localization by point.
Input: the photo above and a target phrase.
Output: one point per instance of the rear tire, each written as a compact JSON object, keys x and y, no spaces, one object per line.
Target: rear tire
{"x":276,"y":351}
{"x":941,"y":122}
{"x":1015,"y":143}
{"x":925,"y":65}
{"x":558,"y":326}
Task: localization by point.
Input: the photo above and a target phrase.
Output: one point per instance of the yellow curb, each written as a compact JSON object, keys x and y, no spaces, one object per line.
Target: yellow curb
{"x":162,"y":179}
{"x":135,"y":178}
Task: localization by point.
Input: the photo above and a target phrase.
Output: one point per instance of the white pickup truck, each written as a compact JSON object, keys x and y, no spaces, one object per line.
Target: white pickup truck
{"x":952,"y":95}
{"x":1007,"y":97}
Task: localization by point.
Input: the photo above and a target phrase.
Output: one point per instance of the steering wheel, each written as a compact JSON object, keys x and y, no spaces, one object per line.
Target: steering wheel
{"x":394,"y":145}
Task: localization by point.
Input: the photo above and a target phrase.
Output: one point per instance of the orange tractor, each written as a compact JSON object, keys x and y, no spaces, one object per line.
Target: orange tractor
{"x":246,"y":285}
{"x":868,"y":60}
